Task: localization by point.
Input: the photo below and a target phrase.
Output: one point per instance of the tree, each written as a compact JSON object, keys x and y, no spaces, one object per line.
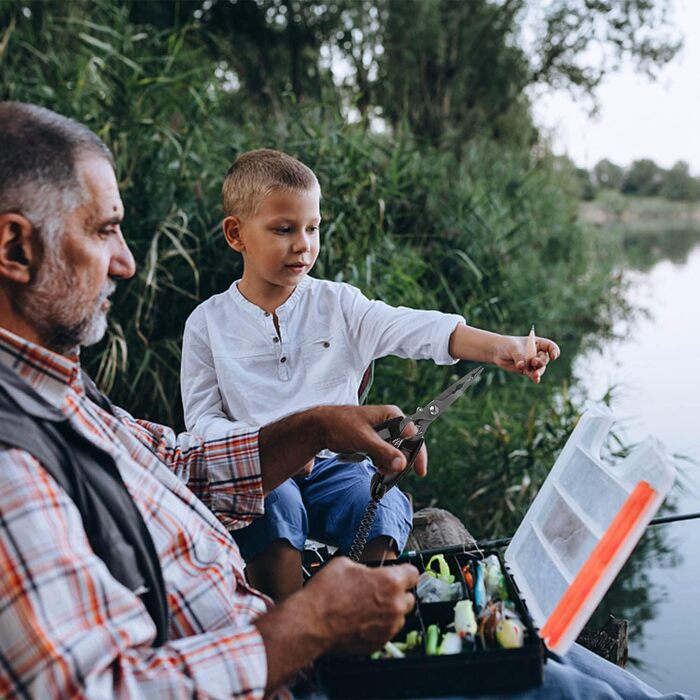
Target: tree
{"x":679,"y":184}
{"x":463,"y":68}
{"x":643,"y":178}
{"x":569,"y":33}
{"x":451,"y":67}
{"x":443,"y":68}
{"x":585,"y":181}
{"x":607,"y":175}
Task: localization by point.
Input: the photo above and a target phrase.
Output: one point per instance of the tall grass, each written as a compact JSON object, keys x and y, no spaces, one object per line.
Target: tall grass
{"x":491,"y":235}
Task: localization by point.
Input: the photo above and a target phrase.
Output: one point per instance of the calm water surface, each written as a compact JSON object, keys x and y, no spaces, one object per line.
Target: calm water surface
{"x":656,"y":371}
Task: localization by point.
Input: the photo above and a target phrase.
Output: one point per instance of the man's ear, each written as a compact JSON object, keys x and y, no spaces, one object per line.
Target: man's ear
{"x":232,"y":232}
{"x":17,"y":248}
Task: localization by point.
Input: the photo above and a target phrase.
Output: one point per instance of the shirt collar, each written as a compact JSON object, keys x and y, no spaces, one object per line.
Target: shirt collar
{"x":50,"y":374}
{"x":287,"y":307}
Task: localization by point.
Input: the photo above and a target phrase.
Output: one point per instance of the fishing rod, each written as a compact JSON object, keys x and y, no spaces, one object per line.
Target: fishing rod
{"x":499,"y":542}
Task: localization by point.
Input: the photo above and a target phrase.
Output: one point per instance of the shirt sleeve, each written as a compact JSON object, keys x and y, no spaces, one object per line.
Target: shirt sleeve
{"x":69,"y":629}
{"x":377,"y":329}
{"x":224,"y":473}
{"x":201,"y":399}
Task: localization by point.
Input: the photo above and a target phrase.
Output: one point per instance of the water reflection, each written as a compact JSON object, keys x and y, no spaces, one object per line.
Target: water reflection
{"x":636,"y":593}
{"x":654,"y":367}
{"x":643,"y":251}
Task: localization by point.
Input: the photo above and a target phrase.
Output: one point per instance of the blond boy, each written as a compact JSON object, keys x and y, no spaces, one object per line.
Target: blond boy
{"x":278,"y":341}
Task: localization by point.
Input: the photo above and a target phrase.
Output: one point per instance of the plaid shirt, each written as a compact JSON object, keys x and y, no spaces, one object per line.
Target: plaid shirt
{"x":67,"y":627}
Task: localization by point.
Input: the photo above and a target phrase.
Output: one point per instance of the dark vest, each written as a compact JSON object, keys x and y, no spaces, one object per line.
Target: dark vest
{"x":89,"y":475}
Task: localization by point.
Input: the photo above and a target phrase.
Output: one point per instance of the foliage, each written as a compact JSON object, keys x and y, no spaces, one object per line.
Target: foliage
{"x":613,"y":203}
{"x":607,"y":175}
{"x":468,"y":75}
{"x":643,"y":178}
{"x":680,"y":185}
{"x":487,"y":230}
{"x":447,"y":70}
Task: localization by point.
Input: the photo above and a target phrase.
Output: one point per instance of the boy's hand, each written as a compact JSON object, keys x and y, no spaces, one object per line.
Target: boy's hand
{"x":510,"y":354}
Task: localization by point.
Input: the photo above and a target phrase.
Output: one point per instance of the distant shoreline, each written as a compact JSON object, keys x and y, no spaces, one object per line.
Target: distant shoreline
{"x":612,"y":208}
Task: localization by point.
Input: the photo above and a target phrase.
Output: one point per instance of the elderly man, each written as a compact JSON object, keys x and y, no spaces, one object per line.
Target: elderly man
{"x":164,"y":609}
{"x":116,"y":579}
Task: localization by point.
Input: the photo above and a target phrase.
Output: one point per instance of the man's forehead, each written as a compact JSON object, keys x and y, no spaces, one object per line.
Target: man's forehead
{"x":101,"y":189}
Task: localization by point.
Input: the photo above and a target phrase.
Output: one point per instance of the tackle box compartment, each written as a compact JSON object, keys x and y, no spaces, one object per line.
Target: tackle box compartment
{"x":573,"y":541}
{"x":471,"y":672}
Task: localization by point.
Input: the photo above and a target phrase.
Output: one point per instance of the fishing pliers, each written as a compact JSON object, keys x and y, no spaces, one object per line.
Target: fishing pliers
{"x":392,"y":431}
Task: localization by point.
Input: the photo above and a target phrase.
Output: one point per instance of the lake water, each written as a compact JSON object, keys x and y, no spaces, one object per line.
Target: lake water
{"x":656,"y":371}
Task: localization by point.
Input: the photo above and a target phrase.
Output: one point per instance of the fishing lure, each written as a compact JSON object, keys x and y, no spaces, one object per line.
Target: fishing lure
{"x":479,"y":587}
{"x":443,"y":572}
{"x":510,"y":633}
{"x":530,"y":346}
{"x":451,"y":644}
{"x":494,"y":580}
{"x":465,"y":620}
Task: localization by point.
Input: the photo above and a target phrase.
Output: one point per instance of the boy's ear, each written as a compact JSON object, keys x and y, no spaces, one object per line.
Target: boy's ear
{"x":17,"y":248}
{"x":232,"y":232}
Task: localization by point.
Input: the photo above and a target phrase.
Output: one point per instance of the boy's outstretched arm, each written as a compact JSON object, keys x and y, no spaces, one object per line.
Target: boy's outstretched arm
{"x":505,"y":351}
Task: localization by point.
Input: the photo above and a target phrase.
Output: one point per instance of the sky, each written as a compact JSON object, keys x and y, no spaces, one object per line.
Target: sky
{"x":638,"y":118}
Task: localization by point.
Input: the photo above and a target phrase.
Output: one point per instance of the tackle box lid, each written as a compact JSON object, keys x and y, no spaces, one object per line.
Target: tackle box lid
{"x":583,"y":525}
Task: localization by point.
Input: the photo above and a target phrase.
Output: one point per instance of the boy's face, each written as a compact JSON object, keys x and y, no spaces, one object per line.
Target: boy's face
{"x":280,"y":242}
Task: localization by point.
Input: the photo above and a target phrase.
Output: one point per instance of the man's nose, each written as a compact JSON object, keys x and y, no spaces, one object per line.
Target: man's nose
{"x":122,"y":264}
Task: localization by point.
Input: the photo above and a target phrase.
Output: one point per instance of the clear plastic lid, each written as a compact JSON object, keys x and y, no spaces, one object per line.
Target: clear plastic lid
{"x":583,"y":525}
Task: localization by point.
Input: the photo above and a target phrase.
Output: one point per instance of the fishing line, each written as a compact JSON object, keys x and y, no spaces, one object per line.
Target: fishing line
{"x":499,"y":542}
{"x":504,"y":541}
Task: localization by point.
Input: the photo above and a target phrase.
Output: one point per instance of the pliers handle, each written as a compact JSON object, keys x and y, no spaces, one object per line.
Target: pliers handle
{"x":390,"y":431}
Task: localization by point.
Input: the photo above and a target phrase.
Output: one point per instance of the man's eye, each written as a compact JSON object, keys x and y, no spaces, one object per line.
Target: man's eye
{"x":283,"y":229}
{"x":313,"y":229}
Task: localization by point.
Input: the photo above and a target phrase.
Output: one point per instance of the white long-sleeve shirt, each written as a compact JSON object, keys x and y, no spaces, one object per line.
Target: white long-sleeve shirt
{"x":235,"y":366}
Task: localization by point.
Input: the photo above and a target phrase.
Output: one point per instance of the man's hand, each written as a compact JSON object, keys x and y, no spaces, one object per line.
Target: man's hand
{"x":345,"y":608}
{"x":288,"y":444}
{"x":362,"y":608}
{"x":351,"y":429}
{"x":510,"y":354}
{"x":307,"y":468}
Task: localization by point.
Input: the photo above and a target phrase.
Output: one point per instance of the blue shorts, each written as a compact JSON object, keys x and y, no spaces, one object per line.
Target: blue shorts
{"x":327,"y":505}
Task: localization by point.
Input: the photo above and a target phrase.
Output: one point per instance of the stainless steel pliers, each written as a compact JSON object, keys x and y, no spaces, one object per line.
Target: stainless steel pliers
{"x":392,"y":431}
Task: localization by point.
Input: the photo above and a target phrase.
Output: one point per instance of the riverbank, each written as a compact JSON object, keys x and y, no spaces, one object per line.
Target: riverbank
{"x":640,"y":213}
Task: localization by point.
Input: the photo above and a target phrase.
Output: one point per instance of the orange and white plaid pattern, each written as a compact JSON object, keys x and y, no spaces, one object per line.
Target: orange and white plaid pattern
{"x":67,"y":627}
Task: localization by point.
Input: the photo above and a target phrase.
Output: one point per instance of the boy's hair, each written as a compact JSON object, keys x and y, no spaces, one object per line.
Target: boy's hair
{"x":255,"y":174}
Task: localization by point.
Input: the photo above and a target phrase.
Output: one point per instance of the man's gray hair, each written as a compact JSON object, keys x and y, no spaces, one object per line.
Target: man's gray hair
{"x":39,"y":152}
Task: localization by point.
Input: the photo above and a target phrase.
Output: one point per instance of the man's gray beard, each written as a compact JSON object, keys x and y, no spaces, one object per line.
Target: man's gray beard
{"x":53,"y":307}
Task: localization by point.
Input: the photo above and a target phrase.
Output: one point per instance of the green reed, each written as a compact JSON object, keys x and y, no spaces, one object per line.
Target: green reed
{"x":489,"y":233}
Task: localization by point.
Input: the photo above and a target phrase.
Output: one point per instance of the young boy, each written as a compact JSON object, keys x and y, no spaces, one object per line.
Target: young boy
{"x":278,"y":341}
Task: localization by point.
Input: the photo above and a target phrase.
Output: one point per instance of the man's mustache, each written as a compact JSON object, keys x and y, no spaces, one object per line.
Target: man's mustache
{"x":107,"y":291}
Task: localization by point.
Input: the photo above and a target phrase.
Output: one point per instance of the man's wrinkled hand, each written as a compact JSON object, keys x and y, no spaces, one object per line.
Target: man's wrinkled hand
{"x":362,"y":608}
{"x":351,"y":429}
